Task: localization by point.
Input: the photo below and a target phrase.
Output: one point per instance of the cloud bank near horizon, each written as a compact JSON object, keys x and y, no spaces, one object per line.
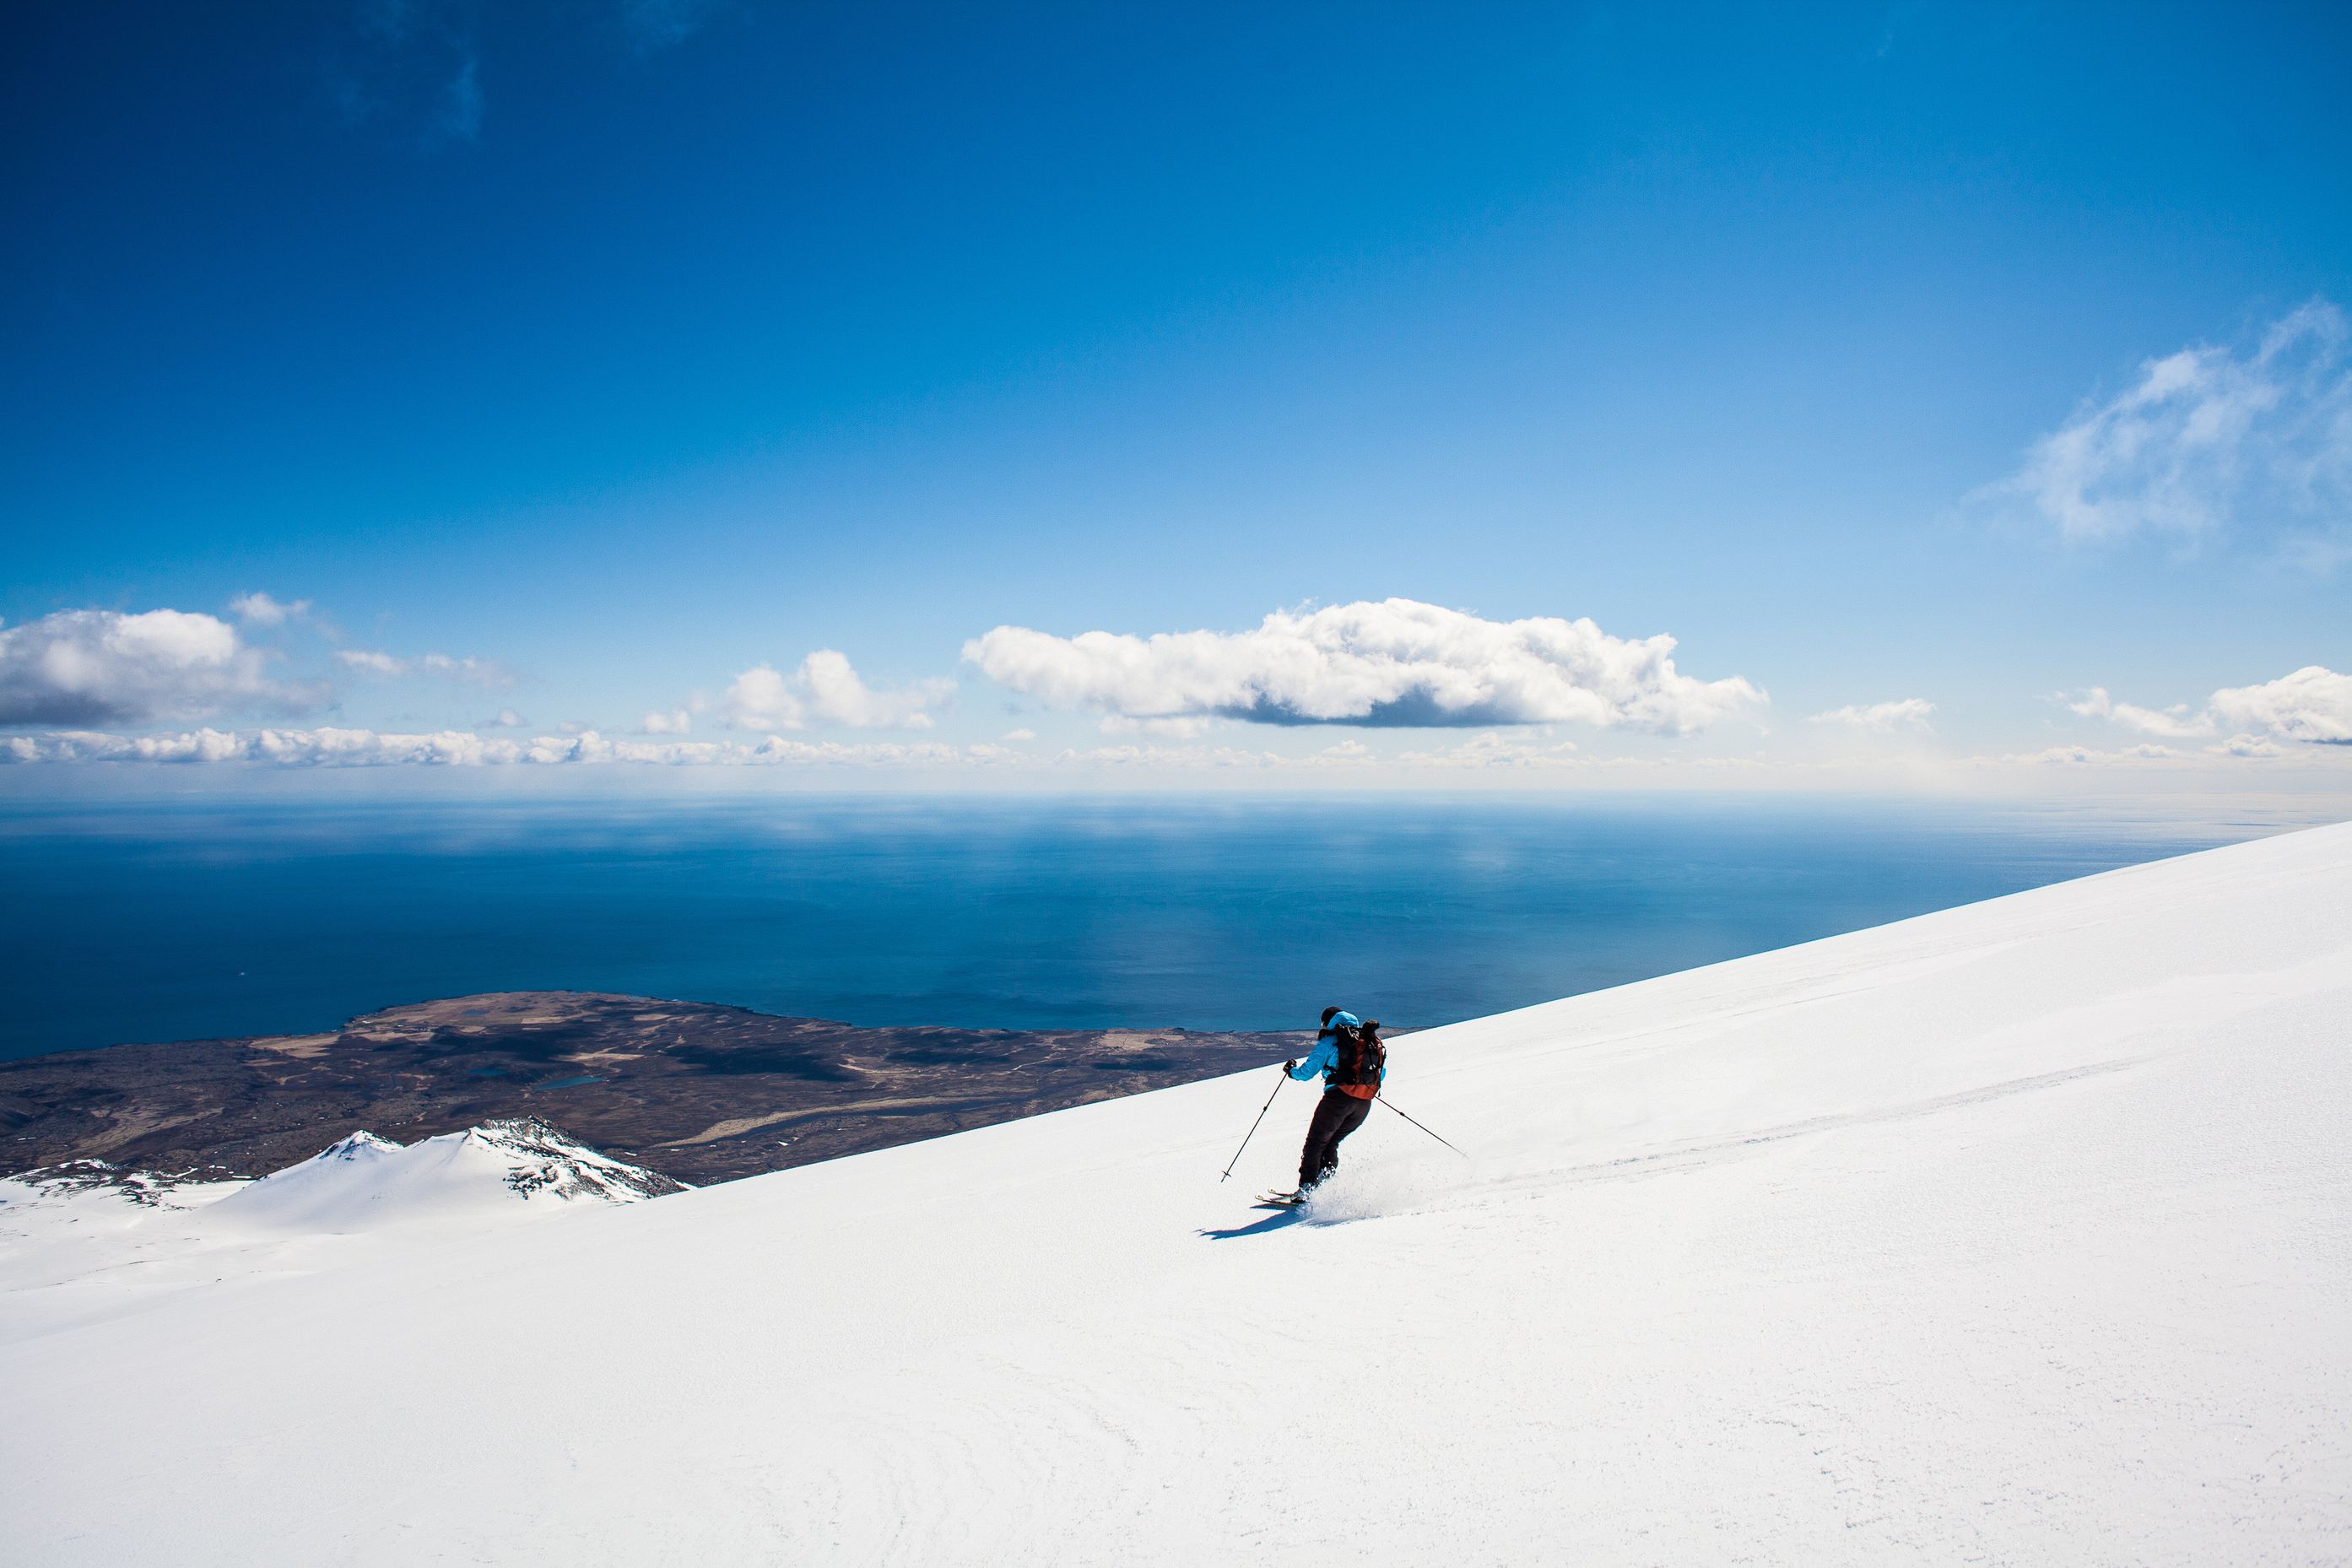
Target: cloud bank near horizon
{"x":1396,"y":664}
{"x":335,"y":747}
{"x":82,"y":675}
{"x":1494,"y":755}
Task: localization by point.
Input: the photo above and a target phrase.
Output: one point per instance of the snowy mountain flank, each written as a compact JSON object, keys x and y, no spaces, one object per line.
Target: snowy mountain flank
{"x":2020,"y":1233}
{"x":365,"y":1181}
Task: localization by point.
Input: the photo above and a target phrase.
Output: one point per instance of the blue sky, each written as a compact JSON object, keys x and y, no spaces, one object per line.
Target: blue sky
{"x":1978,"y":373}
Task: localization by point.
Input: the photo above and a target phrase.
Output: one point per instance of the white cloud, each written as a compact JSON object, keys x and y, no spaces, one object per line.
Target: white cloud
{"x":509,"y":719}
{"x":2176,"y":723}
{"x":825,"y":689}
{"x":1018,"y":735}
{"x":373,"y":663}
{"x":1907,"y":713}
{"x":2207,"y":438}
{"x":2313,"y":705}
{"x":82,"y":667}
{"x":678,"y":721}
{"x":259,"y":609}
{"x":1395,"y":663}
{"x":483,"y":672}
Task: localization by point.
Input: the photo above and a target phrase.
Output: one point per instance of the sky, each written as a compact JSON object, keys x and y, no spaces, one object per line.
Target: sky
{"x":1898,"y":396}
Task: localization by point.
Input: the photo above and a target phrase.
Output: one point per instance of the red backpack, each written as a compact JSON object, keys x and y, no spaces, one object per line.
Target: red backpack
{"x":1361,"y":1059}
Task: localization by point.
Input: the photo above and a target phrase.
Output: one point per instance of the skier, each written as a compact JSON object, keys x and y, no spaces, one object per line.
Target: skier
{"x":1349,"y":1054}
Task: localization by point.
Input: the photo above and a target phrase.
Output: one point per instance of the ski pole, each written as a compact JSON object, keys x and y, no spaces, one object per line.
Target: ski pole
{"x":1253,"y":1132}
{"x":1384,"y":1100}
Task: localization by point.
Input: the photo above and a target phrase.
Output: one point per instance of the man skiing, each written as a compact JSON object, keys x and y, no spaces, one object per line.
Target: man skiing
{"x":1349,"y":1054}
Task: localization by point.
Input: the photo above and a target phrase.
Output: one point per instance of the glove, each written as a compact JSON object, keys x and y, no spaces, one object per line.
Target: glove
{"x":1290,"y":1066}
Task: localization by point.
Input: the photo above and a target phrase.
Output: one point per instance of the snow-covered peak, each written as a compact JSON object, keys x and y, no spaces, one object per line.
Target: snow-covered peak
{"x":497,"y":1170}
{"x":360,"y":1145}
{"x":546,"y":1162}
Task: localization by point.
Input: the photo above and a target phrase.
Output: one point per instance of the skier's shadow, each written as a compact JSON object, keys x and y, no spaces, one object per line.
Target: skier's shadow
{"x":1271,"y":1222}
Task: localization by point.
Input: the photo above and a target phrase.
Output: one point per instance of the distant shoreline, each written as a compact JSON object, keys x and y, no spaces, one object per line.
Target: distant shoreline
{"x":696,"y":1091}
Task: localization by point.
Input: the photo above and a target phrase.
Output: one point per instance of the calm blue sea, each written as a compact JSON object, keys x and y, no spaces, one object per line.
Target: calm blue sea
{"x":143,"y":922}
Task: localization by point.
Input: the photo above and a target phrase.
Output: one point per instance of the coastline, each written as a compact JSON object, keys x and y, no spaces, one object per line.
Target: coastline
{"x":700,"y":1092}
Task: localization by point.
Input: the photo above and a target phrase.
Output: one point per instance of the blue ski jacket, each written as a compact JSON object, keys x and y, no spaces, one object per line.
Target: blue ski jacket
{"x":1325,"y":1056}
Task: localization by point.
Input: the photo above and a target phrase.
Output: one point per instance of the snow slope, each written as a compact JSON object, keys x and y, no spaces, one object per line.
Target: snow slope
{"x":2016,"y":1234}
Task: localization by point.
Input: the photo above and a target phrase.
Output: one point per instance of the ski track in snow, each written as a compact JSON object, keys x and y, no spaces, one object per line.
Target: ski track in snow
{"x":2016,"y":1234}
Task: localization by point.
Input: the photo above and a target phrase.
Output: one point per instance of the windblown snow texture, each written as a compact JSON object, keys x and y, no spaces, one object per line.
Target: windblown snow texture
{"x":2018,"y":1234}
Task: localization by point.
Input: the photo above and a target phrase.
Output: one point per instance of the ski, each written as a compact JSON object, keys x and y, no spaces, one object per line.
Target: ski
{"x":1279,"y":1200}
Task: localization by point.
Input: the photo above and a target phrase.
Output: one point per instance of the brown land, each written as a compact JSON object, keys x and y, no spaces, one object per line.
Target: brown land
{"x":700,"y":1092}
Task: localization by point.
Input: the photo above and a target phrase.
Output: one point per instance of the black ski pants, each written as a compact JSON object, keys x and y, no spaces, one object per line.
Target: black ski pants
{"x":1335,"y":1117}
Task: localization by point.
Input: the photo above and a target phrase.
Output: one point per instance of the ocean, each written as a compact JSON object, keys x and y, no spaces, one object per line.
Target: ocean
{"x":153,"y":922}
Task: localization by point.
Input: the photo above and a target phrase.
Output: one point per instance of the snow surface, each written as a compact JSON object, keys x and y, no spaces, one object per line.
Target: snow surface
{"x":83,"y":1239}
{"x":2016,"y":1234}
